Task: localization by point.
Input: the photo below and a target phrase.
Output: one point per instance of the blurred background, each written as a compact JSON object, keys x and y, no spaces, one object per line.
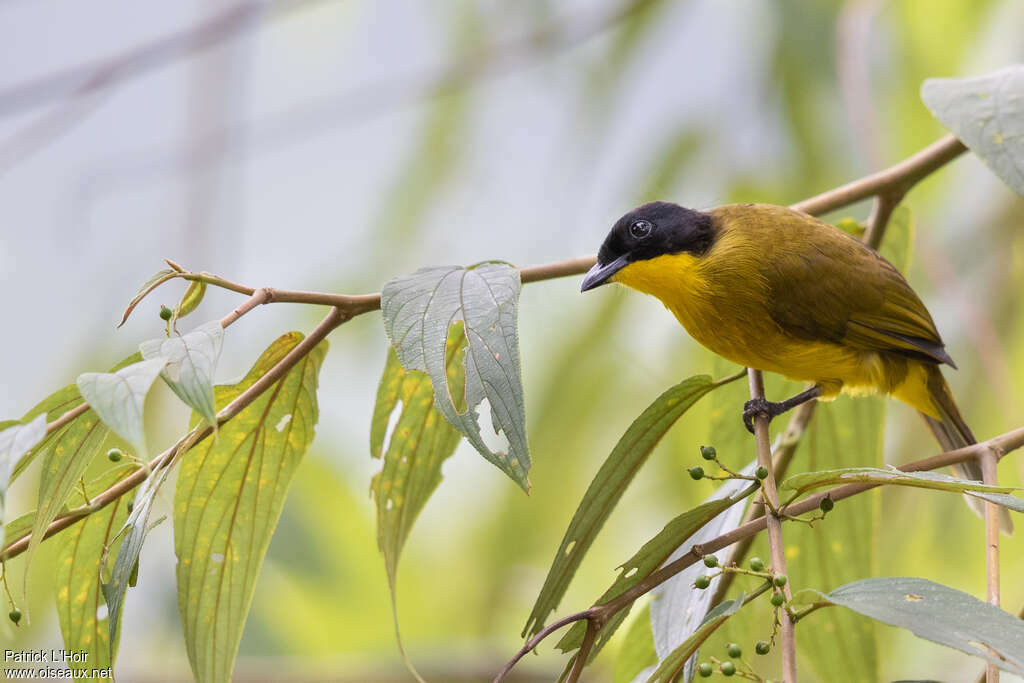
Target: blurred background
{"x":332,"y":145}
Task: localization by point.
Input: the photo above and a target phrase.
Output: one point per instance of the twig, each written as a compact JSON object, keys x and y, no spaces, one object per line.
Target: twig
{"x":1000,"y":445}
{"x":583,"y":654}
{"x":881,"y":212}
{"x":774,"y":525}
{"x":988,"y":460}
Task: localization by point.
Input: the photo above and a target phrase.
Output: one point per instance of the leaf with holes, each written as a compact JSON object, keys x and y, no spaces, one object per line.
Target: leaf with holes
{"x":81,"y":610}
{"x":940,"y":614}
{"x":15,"y":441}
{"x":419,"y":311}
{"x":420,"y":442}
{"x":675,"y":662}
{"x":987,"y":114}
{"x":807,"y":481}
{"x":118,"y":398}
{"x":228,"y":500}
{"x":191,"y":362}
{"x":607,"y":487}
{"x":652,"y":555}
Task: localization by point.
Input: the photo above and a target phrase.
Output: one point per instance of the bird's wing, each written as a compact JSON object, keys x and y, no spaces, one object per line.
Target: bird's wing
{"x":825,"y":285}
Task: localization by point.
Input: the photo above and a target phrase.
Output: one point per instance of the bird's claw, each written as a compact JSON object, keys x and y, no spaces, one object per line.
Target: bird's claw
{"x":757,"y":407}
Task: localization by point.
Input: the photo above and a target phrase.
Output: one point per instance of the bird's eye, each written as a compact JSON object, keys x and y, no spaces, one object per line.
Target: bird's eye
{"x":641,"y":229}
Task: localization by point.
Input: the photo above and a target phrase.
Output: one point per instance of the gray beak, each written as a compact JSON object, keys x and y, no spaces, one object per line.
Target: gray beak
{"x":599,"y":274}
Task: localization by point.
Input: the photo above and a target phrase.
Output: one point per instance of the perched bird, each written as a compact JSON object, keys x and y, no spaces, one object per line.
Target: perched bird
{"x":778,"y":290}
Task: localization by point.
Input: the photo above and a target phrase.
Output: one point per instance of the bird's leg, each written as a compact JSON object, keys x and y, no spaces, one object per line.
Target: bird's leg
{"x":770,"y":409}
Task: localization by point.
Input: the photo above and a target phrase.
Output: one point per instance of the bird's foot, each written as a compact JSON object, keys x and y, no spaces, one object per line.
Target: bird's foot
{"x":757,"y":407}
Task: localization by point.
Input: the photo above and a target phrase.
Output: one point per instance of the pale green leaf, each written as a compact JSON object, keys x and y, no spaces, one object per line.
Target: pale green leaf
{"x":133,"y":534}
{"x":652,"y":555}
{"x":673,"y":664}
{"x":148,"y":286}
{"x":607,"y":487}
{"x":987,"y":114}
{"x":16,"y":441}
{"x":118,"y":398}
{"x":940,"y":614}
{"x":84,"y":624}
{"x":419,"y":310}
{"x":636,"y":654}
{"x":228,"y":500}
{"x":807,"y":481}
{"x":191,"y":362}
{"x":1004,"y":499}
{"x":189,"y":301}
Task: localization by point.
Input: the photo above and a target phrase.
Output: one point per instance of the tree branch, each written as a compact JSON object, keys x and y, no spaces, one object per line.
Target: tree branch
{"x":774,"y":526}
{"x":988,"y":460}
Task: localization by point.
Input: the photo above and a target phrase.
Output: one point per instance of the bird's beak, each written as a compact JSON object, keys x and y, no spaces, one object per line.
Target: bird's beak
{"x":599,"y":274}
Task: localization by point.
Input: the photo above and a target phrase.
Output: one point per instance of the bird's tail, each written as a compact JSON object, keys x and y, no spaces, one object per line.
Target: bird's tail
{"x":952,"y":432}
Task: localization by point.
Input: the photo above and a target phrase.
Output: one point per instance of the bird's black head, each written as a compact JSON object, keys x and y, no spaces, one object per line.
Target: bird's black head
{"x":651,"y":230}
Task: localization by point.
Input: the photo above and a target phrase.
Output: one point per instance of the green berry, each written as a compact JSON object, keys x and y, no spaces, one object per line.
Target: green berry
{"x":702,"y":582}
{"x":710,"y":561}
{"x":14,"y":615}
{"x":826,"y":504}
{"x":778,"y":599}
{"x":696,"y":473}
{"x":165,"y":313}
{"x":705,"y":670}
{"x":114,"y":455}
{"x":780,"y":580}
{"x":708,"y":453}
{"x":727,"y":668}
{"x":761,"y":472}
{"x":762,"y":647}
{"x":756,"y":564}
{"x":734,"y":650}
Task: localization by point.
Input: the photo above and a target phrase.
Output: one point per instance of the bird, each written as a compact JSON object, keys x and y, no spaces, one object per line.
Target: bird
{"x":778,"y":290}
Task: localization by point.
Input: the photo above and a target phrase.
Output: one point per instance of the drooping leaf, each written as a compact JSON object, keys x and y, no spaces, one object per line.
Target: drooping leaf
{"x":673,"y":664}
{"x":133,"y":534}
{"x":148,"y":286}
{"x":228,"y":500}
{"x":15,"y":441}
{"x":190,"y":300}
{"x":81,"y":609}
{"x":843,"y":547}
{"x":677,"y":610}
{"x":118,"y":398}
{"x":652,"y":555}
{"x":987,"y":114}
{"x":636,"y":656}
{"x":940,"y":614}
{"x":191,"y":361}
{"x":419,"y":310}
{"x":807,"y":481}
{"x":1004,"y":499}
{"x":607,"y":487}
{"x":420,"y":442}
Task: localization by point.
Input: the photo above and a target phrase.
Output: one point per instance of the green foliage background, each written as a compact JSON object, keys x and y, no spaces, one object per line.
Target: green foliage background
{"x":790,"y":127}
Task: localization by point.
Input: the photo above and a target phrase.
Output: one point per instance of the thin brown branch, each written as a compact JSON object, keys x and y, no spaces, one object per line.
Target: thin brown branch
{"x":881,"y":212}
{"x":774,"y":525}
{"x":988,"y":460}
{"x":1000,"y":445}
{"x":299,"y":351}
{"x":583,"y":654}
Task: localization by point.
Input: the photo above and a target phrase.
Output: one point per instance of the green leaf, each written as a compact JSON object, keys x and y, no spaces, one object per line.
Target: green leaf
{"x":637,"y":651}
{"x":987,"y":114}
{"x":652,"y":555}
{"x":607,"y":487}
{"x":148,"y":286}
{"x":118,"y":398}
{"x":807,"y":481}
{"x":843,"y":547}
{"x":16,"y":441}
{"x":228,"y":500}
{"x":939,"y":614}
{"x":1004,"y":499}
{"x":898,"y":245}
{"x":419,"y":310}
{"x":420,"y":442}
{"x":671,"y":666}
{"x":134,"y":531}
{"x":77,"y":584}
{"x":191,"y":362}
{"x":189,"y":301}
